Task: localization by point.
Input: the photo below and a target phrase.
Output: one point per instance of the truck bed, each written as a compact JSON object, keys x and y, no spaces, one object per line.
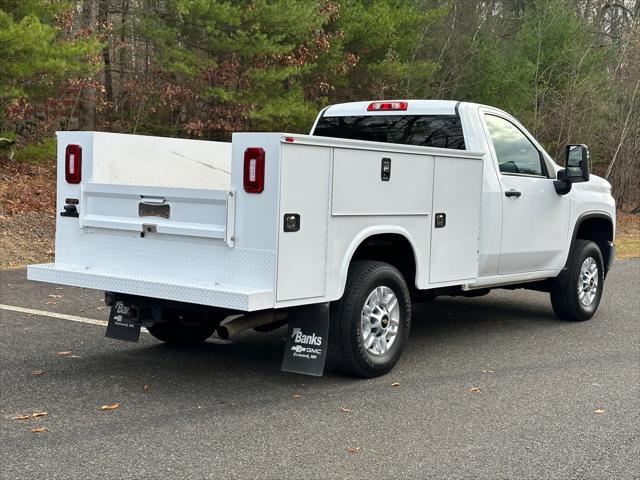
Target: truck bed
{"x":208,"y":241}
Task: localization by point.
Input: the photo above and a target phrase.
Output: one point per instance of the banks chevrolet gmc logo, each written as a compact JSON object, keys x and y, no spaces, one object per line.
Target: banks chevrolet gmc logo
{"x":300,"y":337}
{"x":306,"y":346}
{"x":122,"y":309}
{"x":121,"y":316}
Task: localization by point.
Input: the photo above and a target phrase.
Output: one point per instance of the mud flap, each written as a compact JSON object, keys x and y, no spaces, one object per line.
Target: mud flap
{"x":123,"y":322}
{"x":128,"y":316}
{"x":305,"y":350}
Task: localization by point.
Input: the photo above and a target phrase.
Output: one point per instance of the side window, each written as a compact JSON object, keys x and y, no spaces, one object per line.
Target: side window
{"x":516,"y":154}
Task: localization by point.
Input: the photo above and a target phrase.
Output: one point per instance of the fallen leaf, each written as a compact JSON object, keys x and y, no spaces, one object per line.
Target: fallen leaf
{"x":345,"y":410}
{"x":65,"y":354}
{"x":111,"y":406}
{"x":296,"y":396}
{"x":599,"y":411}
{"x":395,"y":384}
{"x":37,"y":372}
{"x":353,"y":449}
{"x":474,"y":389}
{"x":488,"y":371}
{"x":39,"y":414}
{"x":21,"y":417}
{"x":39,"y":429}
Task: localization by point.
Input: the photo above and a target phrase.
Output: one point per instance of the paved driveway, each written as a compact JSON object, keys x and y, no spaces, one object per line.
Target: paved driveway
{"x":226,"y":411}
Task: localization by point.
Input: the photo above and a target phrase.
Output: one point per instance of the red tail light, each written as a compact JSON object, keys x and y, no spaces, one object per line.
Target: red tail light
{"x":253,"y":178}
{"x":387,"y":106}
{"x":73,"y":164}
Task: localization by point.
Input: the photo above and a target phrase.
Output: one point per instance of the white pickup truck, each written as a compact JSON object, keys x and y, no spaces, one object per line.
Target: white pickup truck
{"x":334,"y":232}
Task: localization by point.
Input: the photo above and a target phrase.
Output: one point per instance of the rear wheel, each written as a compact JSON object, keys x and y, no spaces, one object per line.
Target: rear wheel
{"x":185,"y":328}
{"x":370,"y":324}
{"x":577,"y":296}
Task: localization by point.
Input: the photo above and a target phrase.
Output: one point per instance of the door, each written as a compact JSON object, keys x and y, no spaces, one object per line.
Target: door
{"x":302,"y":247}
{"x":535,"y":218}
{"x":455,"y":223}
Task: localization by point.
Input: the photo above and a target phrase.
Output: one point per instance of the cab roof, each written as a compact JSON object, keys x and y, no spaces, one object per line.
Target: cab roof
{"x":414,"y":107}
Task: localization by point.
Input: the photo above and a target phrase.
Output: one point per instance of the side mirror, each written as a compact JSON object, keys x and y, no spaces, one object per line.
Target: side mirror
{"x":576,"y":163}
{"x":576,"y":168}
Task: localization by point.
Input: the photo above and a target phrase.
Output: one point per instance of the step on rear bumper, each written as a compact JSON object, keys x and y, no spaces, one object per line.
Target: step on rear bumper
{"x":214,"y":294}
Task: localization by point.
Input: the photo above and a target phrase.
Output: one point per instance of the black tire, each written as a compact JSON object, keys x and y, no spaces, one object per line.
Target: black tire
{"x":184,"y":328}
{"x":565,"y":296}
{"x":350,"y":354}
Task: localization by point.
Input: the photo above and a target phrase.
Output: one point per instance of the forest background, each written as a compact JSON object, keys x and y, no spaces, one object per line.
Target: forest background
{"x":569,"y":70}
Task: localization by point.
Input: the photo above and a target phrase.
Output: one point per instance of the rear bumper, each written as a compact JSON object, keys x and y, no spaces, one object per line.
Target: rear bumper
{"x":200,"y":293}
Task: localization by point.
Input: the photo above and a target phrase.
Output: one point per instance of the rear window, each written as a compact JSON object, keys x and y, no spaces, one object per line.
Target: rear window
{"x":444,"y":131}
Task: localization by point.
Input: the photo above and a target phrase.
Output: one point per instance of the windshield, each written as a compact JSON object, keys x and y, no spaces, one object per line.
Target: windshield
{"x":444,"y":131}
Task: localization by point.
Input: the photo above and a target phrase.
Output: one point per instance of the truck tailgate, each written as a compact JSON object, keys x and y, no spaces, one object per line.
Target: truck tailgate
{"x":174,"y":211}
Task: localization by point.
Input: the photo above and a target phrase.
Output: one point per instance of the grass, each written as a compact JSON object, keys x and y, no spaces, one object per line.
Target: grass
{"x":37,"y":153}
{"x":627,"y":235}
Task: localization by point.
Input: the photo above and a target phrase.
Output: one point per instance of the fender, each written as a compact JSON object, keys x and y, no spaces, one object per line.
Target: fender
{"x":364,"y":235}
{"x":607,"y":255}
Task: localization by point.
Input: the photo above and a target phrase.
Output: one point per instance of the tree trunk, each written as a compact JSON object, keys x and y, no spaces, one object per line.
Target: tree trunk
{"x":87,"y":106}
{"x":103,"y":19}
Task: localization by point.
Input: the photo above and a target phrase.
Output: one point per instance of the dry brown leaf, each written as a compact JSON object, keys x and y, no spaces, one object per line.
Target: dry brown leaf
{"x":395,"y":384}
{"x":345,"y":410}
{"x":39,"y":414}
{"x":110,"y":406}
{"x":39,"y":429}
{"x":65,"y":354}
{"x":296,"y":396}
{"x":599,"y":411}
{"x":474,"y":389}
{"x":353,"y":449}
{"x":37,"y":372}
{"x":21,"y":417}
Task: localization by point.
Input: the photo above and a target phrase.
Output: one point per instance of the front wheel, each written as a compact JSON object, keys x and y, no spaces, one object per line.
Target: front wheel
{"x":184,"y":327}
{"x":370,"y":323}
{"x":578,"y":295}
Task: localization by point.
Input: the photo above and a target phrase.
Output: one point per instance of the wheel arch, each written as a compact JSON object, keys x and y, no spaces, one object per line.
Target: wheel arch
{"x":387,"y":244}
{"x":597,"y":227}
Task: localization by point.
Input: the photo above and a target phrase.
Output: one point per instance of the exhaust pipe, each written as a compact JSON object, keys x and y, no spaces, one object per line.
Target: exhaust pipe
{"x":251,"y":320}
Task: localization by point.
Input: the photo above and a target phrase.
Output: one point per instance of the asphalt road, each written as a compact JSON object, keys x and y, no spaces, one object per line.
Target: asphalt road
{"x":226,"y":411}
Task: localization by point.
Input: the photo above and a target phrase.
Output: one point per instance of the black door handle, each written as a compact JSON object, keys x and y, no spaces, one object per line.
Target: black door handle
{"x":512,"y":193}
